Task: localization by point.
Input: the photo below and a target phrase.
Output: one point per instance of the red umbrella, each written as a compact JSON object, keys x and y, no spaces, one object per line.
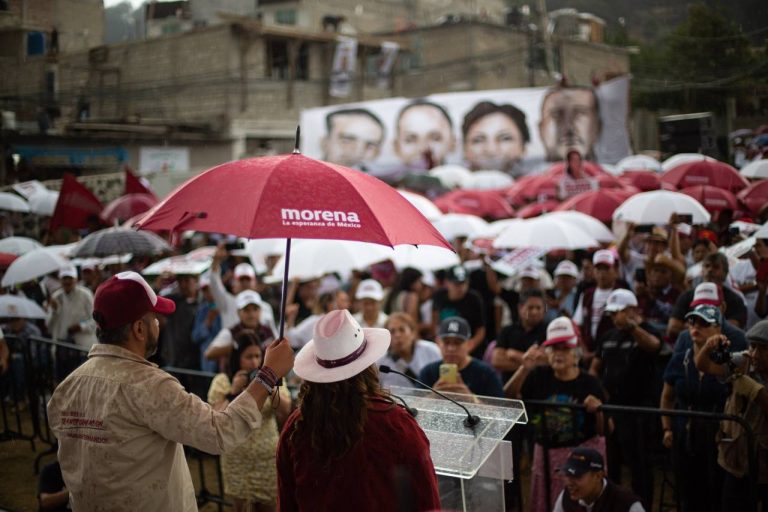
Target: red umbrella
{"x":536,"y":209}
{"x":127,"y":206}
{"x":705,"y":172}
{"x":515,"y":194}
{"x":483,"y":203}
{"x":644,"y":180}
{"x":712,"y":198}
{"x":292,"y":196}
{"x":542,"y":187}
{"x":755,"y":197}
{"x":589,"y":168}
{"x":6,"y":259}
{"x":600,"y":204}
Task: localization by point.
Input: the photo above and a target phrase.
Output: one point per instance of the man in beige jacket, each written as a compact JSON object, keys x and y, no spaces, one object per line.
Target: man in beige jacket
{"x":121,"y":421}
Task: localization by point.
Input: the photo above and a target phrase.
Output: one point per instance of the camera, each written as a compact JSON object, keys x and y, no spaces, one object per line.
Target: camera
{"x":722,"y":355}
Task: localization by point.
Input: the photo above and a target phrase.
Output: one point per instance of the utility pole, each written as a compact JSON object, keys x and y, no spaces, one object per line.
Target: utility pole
{"x":541,"y":6}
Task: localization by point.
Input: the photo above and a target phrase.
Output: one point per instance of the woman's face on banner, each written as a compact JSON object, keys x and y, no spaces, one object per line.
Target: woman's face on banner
{"x":493,"y":142}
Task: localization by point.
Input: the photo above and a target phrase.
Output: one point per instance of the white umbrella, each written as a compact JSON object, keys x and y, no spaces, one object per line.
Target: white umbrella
{"x":489,"y":180}
{"x":311,"y":259}
{"x":755,"y":170}
{"x":32,"y":265}
{"x":545,"y":233}
{"x":638,"y":163}
{"x":495,"y":228}
{"x":13,"y":306}
{"x":18,"y":245}
{"x":193,"y":263}
{"x":43,"y":202}
{"x":427,"y":208}
{"x":454,"y":225}
{"x":762,"y":232}
{"x":611,"y":169}
{"x":591,"y":225}
{"x":657,"y":206}
{"x":12,"y":203}
{"x":451,"y":176}
{"x":425,"y":258}
{"x":682,"y":158}
{"x":261,"y":248}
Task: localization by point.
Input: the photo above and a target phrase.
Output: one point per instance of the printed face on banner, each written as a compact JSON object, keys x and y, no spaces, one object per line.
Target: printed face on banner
{"x":517,"y":131}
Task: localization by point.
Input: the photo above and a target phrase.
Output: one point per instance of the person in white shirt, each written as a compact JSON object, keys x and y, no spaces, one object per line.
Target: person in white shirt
{"x":70,"y":309}
{"x":407,"y":353}
{"x":369,"y":295}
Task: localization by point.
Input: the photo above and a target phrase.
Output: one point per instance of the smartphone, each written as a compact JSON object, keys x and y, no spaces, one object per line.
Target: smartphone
{"x":449,"y":373}
{"x":640,"y":275}
{"x":685,"y":218}
{"x":234,"y":246}
{"x":644,"y":228}
{"x":762,"y":271}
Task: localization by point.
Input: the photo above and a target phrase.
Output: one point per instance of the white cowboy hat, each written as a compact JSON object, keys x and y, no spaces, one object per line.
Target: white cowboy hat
{"x":340,"y":349}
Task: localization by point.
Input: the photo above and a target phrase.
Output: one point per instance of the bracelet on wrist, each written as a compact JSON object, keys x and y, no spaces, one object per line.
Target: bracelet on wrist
{"x":264,"y":384}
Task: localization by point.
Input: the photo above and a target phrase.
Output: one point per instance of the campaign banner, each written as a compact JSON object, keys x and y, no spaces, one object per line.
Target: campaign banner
{"x":343,"y":68}
{"x":518,"y":131}
{"x":386,"y":62}
{"x":163,"y":159}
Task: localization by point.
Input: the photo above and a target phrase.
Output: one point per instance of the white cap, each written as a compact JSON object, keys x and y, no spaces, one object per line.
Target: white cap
{"x":205,"y":280}
{"x":707,"y":293}
{"x":567,"y":268}
{"x":684,"y":229}
{"x":369,"y":289}
{"x":68,"y":272}
{"x":246,"y":298}
{"x":619,"y":300}
{"x":530,"y":272}
{"x":245,"y":270}
{"x":604,"y":257}
{"x":561,"y":330}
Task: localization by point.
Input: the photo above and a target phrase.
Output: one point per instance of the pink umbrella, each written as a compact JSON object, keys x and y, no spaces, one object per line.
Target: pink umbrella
{"x":712,"y":198}
{"x":292,"y":196}
{"x":599,"y":204}
{"x":536,"y":209}
{"x":515,"y":194}
{"x":482,"y":203}
{"x":590,"y":168}
{"x":705,"y":172}
{"x":127,"y":206}
{"x":542,"y":187}
{"x":755,"y":197}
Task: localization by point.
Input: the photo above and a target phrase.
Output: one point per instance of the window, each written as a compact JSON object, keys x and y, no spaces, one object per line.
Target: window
{"x":285,"y":16}
{"x":278,"y":62}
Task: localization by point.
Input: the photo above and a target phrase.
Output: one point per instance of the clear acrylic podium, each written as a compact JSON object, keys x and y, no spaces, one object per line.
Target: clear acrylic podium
{"x":472,"y":463}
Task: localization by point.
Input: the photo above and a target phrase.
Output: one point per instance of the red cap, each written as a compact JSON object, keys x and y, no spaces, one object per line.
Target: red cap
{"x":126,"y":297}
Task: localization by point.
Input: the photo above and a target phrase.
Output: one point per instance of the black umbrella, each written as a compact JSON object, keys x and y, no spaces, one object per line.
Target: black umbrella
{"x":111,"y":241}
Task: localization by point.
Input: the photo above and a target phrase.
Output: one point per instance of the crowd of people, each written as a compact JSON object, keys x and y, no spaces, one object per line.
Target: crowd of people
{"x":660,"y":318}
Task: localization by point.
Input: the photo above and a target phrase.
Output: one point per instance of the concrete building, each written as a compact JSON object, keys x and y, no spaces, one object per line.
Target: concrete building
{"x":235,"y":87}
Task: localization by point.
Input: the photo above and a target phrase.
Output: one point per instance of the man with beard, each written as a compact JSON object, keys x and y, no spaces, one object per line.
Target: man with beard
{"x":121,"y":421}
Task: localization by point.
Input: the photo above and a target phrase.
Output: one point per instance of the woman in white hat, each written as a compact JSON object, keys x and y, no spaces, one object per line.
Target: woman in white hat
{"x":348,"y":446}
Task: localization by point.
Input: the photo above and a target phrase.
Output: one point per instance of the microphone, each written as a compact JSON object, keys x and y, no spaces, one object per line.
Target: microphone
{"x":470,"y":421}
{"x":411,"y":410}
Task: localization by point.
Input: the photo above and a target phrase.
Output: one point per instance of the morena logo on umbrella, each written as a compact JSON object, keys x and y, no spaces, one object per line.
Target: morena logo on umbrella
{"x":319,"y":218}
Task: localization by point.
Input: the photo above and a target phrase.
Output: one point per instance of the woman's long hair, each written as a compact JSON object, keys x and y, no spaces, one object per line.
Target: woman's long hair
{"x":244,"y":339}
{"x":333,"y":415}
{"x":407,"y":277}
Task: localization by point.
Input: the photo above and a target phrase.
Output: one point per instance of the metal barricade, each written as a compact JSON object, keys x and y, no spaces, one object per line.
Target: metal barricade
{"x":615,"y":410}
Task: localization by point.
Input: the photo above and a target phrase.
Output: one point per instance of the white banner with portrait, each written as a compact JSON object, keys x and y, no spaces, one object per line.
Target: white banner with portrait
{"x":343,"y":68}
{"x":385,"y":63}
{"x":519,"y":131}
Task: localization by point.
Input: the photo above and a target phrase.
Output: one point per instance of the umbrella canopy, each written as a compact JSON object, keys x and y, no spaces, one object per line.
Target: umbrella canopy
{"x":495,"y":228}
{"x":6,"y":259}
{"x":591,"y":225}
{"x":717,"y":174}
{"x":107,"y":242}
{"x":545,"y":233}
{"x":489,"y":180}
{"x":127,"y":207}
{"x":712,"y":198}
{"x":451,"y":176}
{"x":33,"y":264}
{"x":455,"y":225}
{"x":542,"y":187}
{"x":43,"y":202}
{"x":193,"y":263}
{"x":638,"y":163}
{"x":13,"y":306}
{"x":13,"y":203}
{"x":755,"y":170}
{"x":599,"y":204}
{"x":482,"y":203}
{"x":292,"y":196}
{"x":18,"y":245}
{"x":426,"y":258}
{"x":657,"y":207}
{"x":589,"y":168}
{"x":755,"y":197}
{"x":682,"y":158}
{"x":427,"y":208}
{"x":643,"y":180}
{"x":536,"y":209}
{"x":311,"y":259}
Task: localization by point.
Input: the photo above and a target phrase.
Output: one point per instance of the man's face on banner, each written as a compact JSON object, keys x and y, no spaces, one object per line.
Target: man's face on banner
{"x":569,"y":120}
{"x":493,"y":142}
{"x":423,"y":128}
{"x":354,"y":139}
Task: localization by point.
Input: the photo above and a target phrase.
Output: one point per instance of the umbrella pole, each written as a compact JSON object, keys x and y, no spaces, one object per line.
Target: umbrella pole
{"x":284,"y":297}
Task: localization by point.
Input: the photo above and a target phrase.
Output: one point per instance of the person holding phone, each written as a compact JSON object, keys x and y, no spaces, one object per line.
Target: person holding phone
{"x":458,"y":371}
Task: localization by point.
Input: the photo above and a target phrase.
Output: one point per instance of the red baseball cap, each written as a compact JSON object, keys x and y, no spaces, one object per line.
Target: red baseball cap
{"x":126,"y":297}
